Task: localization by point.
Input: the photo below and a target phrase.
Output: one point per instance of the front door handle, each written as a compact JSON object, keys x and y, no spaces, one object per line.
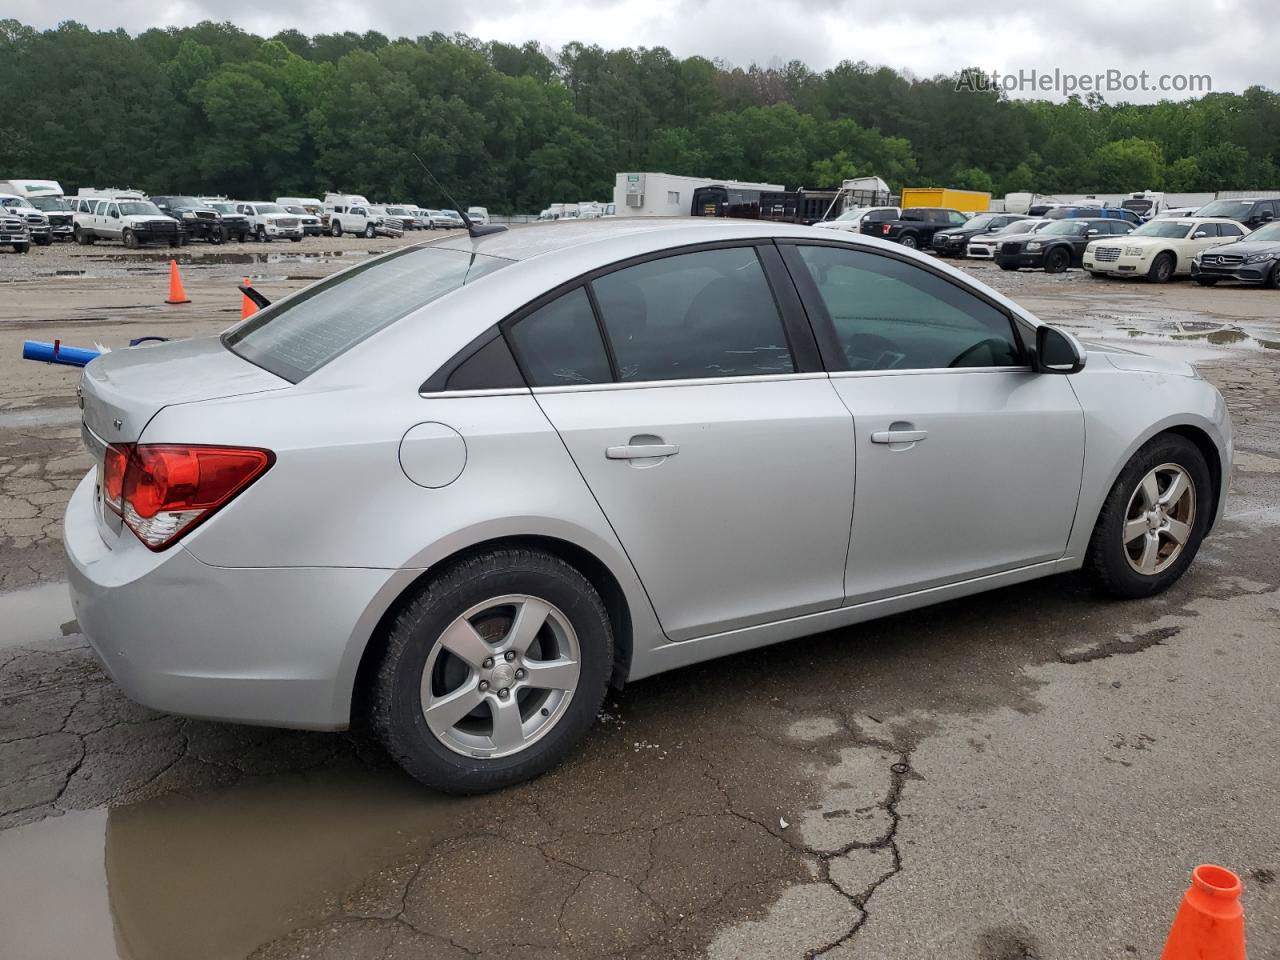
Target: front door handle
{"x":898,"y":436}
{"x":641,"y":451}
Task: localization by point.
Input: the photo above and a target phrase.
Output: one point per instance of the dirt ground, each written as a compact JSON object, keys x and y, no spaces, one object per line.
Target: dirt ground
{"x":1029,"y":773}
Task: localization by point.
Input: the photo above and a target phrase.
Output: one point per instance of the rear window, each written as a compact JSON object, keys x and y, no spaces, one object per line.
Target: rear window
{"x":297,"y":337}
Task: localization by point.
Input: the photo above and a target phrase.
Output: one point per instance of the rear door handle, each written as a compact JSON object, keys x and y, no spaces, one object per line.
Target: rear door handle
{"x":898,"y":436}
{"x":641,"y":451}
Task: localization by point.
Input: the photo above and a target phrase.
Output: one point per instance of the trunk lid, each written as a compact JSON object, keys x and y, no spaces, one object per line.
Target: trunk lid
{"x":121,"y":391}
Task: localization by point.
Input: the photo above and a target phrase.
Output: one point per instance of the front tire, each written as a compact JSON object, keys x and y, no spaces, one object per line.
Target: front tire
{"x":336,"y":229}
{"x":1273,"y":278}
{"x":1057,"y":261}
{"x":369,"y":232}
{"x":453,"y":710}
{"x":1153,"y":520}
{"x":1162,"y":269}
{"x":130,"y":240}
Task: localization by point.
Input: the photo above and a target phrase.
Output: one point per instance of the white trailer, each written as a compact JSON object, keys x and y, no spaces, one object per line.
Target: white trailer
{"x":667,"y":195}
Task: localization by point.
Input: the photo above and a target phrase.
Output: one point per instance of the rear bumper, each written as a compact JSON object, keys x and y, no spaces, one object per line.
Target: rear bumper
{"x":277,"y":646}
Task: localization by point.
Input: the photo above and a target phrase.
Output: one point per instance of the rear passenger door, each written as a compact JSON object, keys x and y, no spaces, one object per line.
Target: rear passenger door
{"x":688,"y":390}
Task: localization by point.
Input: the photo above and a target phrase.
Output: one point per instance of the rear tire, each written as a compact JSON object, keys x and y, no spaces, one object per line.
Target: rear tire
{"x":417,"y":667}
{"x":910,"y":242}
{"x":1114,"y":563}
{"x":1161,"y":269}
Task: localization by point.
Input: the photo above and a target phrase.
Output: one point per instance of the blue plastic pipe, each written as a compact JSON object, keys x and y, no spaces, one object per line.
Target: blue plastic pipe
{"x":48,"y":353}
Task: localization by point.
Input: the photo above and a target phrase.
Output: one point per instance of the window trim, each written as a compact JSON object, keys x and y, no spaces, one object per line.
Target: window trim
{"x":824,"y":328}
{"x":795,"y":326}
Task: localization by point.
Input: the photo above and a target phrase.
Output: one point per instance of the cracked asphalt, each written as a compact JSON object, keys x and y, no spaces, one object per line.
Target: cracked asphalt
{"x":1030,"y":773}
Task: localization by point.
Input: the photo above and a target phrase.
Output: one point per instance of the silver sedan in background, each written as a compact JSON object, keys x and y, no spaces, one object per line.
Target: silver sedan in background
{"x":478,"y":479}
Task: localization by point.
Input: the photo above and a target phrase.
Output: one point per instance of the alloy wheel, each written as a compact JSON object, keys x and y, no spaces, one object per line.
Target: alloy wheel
{"x":500,"y":676}
{"x":1159,"y":519}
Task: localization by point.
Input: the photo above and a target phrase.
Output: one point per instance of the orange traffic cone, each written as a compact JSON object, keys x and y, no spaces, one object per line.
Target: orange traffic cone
{"x":176,"y":293}
{"x":1210,"y":923}
{"x":247,"y":307}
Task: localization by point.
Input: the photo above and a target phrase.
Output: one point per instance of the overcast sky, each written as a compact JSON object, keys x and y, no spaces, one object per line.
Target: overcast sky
{"x":1234,"y":41}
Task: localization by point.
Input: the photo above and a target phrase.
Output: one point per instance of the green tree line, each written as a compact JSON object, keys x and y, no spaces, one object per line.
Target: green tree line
{"x":212,"y":108}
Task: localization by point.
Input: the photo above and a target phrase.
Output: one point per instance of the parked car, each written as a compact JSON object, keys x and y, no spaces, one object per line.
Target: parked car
{"x":1255,"y":259}
{"x":354,"y":218}
{"x":1059,"y":245}
{"x":479,"y":215}
{"x":454,"y":218}
{"x":235,"y":225}
{"x":954,"y":241}
{"x":851,"y":220}
{"x":1176,"y":213}
{"x":131,"y":221}
{"x":385,"y":224}
{"x":37,"y":223}
{"x":1065,"y":212}
{"x":440,"y":219}
{"x":537,"y":462}
{"x":310,"y":204}
{"x":1252,"y":212}
{"x":1160,"y":249}
{"x":408,"y":218}
{"x":14,"y":232}
{"x":270,"y":220}
{"x":45,"y":196}
{"x":311,"y":225}
{"x":199,"y":220}
{"x":916,"y":227}
{"x":983,"y":246}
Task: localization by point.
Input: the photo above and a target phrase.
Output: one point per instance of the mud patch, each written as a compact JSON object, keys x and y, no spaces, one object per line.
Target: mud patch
{"x":1119,"y":645}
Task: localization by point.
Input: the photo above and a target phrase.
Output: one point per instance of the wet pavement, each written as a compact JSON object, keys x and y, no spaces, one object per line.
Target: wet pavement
{"x":1027,"y":773}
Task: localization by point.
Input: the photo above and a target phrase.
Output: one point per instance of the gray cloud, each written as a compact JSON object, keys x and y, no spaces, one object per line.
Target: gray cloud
{"x":1231,"y":40}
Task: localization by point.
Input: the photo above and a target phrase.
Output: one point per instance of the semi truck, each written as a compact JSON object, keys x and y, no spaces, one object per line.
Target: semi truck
{"x":966,"y":201}
{"x":668,"y":195}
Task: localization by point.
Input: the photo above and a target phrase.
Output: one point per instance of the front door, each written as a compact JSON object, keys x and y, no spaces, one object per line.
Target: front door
{"x":968,"y":463}
{"x":725,"y":468}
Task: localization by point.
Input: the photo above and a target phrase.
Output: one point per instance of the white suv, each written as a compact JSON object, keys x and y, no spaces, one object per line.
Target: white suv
{"x":270,"y":220}
{"x":134,"y":222}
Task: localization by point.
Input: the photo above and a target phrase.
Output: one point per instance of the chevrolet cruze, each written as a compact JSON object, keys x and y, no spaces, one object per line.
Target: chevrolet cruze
{"x":461,"y":489}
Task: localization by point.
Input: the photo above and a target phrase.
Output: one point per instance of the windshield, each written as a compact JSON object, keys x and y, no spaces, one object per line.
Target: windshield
{"x":300,"y":335}
{"x":1169,"y":229}
{"x":269,"y":208}
{"x":139,"y":208}
{"x":1231,"y":209}
{"x":1018,"y":226}
{"x":1066,"y":227}
{"x":1268,"y":234}
{"x":14,"y":203}
{"x":48,"y":203}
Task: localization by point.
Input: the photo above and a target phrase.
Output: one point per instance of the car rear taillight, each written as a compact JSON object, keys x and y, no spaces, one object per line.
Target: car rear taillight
{"x":885,"y":229}
{"x":163,"y":490}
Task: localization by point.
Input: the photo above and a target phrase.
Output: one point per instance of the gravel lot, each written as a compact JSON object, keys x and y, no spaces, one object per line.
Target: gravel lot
{"x":1025,"y":774}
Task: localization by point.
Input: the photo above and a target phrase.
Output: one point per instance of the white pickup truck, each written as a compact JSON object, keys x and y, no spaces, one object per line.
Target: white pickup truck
{"x":132,"y":221}
{"x":270,"y":220}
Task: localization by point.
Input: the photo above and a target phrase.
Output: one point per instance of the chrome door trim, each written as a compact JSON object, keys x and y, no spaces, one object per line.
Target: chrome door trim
{"x":687,"y":382}
{"x":487,"y":392}
{"x":848,"y":374}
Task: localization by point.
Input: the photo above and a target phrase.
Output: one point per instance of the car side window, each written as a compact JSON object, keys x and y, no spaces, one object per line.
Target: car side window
{"x":1122,"y":227}
{"x":559,"y":344}
{"x":1229,"y":230}
{"x":892,"y":315}
{"x":710,"y":313}
{"x":1207,"y":230}
{"x":113,"y":211}
{"x":957,"y":219}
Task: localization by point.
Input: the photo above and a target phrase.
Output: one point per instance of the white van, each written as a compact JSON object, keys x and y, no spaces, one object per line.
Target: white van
{"x":477,"y":215}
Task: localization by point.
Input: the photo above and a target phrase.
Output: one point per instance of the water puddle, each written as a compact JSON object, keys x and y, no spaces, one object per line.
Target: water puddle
{"x":34,"y":615}
{"x":205,"y":877}
{"x":1190,"y":337}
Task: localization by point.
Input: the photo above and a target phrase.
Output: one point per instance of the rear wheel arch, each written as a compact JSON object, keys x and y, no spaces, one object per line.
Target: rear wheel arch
{"x":596,"y":571}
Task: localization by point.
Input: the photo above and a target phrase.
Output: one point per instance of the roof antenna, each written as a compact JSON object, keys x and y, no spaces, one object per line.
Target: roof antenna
{"x":473,"y":229}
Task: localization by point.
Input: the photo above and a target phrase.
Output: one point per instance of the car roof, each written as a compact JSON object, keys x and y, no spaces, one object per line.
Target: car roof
{"x":653,"y":233}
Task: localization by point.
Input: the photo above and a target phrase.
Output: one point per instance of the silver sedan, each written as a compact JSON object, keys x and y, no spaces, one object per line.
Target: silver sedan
{"x":472,"y":483}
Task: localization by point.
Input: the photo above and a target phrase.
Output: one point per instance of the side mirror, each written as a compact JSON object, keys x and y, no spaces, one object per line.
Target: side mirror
{"x":1057,"y":352}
